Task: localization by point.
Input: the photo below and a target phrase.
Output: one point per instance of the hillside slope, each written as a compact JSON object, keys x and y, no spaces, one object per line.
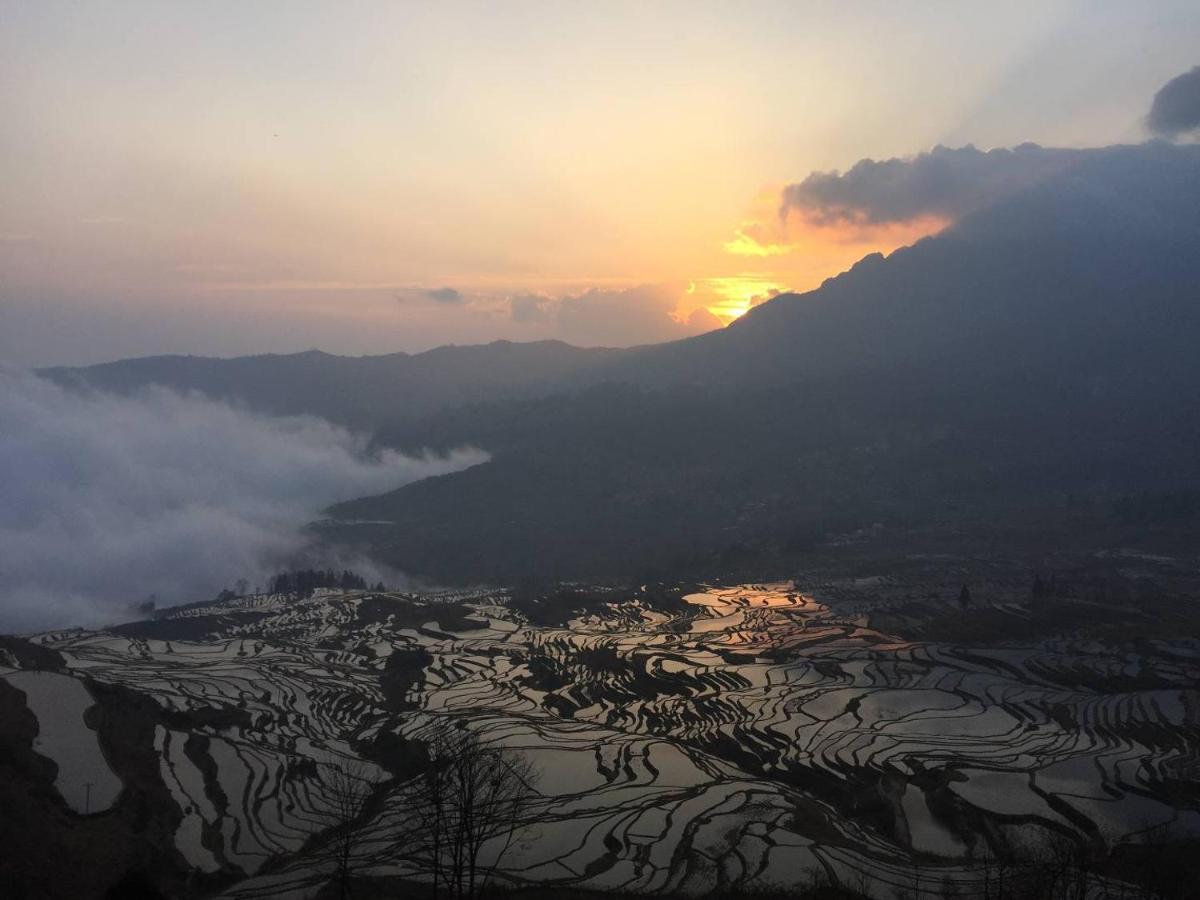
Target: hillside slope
{"x":1035,"y":359}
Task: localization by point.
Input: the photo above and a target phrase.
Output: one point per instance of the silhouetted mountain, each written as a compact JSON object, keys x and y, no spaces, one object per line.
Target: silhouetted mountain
{"x":1109,"y":243}
{"x":1029,"y":366}
{"x":356,"y":391}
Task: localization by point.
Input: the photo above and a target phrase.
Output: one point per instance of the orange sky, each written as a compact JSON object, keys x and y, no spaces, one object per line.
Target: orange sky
{"x":793,"y":255}
{"x":227,"y":178}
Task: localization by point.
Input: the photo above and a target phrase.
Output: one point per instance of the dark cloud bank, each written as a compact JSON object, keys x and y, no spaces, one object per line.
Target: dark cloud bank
{"x":1142,"y":191}
{"x":1176,"y":107}
{"x":106,"y":500}
{"x":944,"y":182}
{"x":951,"y":183}
{"x":445,"y":295}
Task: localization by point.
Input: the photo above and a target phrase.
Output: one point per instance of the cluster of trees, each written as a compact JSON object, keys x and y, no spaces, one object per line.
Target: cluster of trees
{"x":465,"y":810}
{"x":304,"y":581}
{"x":301,"y":582}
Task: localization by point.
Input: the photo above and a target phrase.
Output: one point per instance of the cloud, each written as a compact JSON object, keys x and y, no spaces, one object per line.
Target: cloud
{"x":754,"y":239}
{"x":1176,"y":106}
{"x":728,"y":297}
{"x":530,"y":308}
{"x":942,"y":183}
{"x":701,"y":320}
{"x":444,"y":295}
{"x":106,"y":500}
{"x":611,"y":317}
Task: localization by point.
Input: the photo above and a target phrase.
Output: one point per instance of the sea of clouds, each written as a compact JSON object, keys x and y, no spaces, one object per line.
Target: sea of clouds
{"x":108,"y":500}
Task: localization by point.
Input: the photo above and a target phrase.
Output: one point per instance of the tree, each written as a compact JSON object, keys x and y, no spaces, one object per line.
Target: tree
{"x":348,"y":786}
{"x":470,"y":802}
{"x":302,"y":582}
{"x":964,"y":598}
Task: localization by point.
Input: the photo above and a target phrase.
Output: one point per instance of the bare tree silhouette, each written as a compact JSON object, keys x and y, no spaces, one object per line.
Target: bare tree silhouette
{"x":470,"y":803}
{"x":349,"y":785}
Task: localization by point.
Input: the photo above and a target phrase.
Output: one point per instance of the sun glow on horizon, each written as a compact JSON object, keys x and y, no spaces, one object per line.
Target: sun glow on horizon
{"x":232,"y":178}
{"x":736,"y":295}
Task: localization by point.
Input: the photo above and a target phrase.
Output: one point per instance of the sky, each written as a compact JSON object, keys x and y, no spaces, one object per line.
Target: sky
{"x":231,"y":178}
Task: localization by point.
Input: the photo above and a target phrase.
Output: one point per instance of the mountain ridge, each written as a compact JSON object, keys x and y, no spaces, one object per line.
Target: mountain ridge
{"x":355,"y":391}
{"x":1021,"y":360}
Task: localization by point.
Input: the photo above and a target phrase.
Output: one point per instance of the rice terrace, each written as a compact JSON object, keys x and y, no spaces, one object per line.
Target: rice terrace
{"x":750,"y":736}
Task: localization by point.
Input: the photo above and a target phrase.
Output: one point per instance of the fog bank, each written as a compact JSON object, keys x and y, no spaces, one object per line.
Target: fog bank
{"x":107,"y":500}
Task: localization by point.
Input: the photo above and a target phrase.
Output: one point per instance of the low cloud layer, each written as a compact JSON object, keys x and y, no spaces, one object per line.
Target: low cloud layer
{"x":445,"y":295}
{"x":1176,"y":107}
{"x":613,"y":317}
{"x":943,"y":183}
{"x":107,"y":500}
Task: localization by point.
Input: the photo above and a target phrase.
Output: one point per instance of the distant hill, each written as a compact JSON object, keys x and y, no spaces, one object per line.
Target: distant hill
{"x":360,"y":392}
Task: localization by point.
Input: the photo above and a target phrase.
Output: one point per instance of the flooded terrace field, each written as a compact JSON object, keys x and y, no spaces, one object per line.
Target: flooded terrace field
{"x":745,"y":736}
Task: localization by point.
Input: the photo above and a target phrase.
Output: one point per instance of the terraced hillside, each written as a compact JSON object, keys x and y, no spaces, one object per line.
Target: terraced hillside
{"x":748,"y":736}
